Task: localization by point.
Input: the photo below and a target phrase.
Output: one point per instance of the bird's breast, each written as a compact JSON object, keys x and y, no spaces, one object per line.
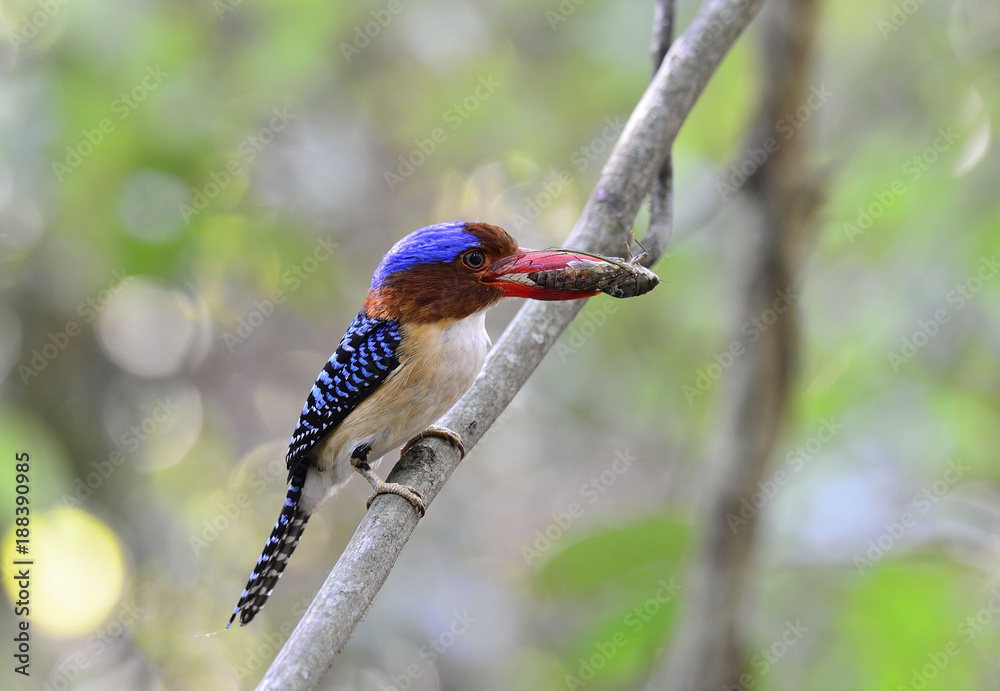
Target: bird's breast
{"x":443,"y":359}
{"x":438,"y":363}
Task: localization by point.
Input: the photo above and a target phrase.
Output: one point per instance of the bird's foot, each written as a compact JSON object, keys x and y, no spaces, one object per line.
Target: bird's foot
{"x":441,"y":432}
{"x":382,"y":487}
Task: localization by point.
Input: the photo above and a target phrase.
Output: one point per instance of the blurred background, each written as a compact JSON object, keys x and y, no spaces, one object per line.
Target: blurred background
{"x":193,"y":197}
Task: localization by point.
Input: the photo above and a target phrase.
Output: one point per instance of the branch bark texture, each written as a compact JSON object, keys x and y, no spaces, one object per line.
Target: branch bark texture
{"x":603,"y":227}
{"x":708,"y":650}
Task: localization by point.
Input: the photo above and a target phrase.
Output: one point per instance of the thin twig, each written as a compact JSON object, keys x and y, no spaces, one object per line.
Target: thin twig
{"x":661,"y":197}
{"x":603,"y":226}
{"x":664,"y":17}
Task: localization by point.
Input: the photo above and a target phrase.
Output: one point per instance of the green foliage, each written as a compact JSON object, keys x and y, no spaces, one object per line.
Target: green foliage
{"x":633,"y":569}
{"x":899,"y":625}
{"x":617,"y":558}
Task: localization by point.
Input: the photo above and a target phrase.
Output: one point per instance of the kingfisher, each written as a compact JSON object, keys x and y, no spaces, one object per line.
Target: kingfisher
{"x":414,"y":348}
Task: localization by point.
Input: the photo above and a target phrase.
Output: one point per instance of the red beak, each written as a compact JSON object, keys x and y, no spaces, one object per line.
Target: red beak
{"x":543,"y":274}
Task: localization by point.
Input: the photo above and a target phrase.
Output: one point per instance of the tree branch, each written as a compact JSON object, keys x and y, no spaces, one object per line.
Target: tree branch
{"x":661,"y":197}
{"x":708,"y":650}
{"x":604,"y":225}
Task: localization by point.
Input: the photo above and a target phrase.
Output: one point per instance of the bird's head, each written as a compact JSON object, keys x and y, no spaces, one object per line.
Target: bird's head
{"x":453,"y":270}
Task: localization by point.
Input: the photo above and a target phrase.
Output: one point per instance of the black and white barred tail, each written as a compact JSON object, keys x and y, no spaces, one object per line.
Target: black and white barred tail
{"x":278,"y":548}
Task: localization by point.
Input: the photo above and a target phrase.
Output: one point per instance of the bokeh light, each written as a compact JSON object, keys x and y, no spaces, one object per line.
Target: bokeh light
{"x":77,"y":574}
{"x":147,"y":329}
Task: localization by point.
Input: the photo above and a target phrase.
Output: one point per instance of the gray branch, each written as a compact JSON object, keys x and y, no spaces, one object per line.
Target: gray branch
{"x":603,"y":227}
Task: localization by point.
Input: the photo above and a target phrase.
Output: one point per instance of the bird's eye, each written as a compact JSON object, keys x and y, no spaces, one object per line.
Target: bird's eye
{"x":474,"y":259}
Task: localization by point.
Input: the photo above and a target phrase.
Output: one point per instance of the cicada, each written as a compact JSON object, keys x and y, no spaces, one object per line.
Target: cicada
{"x":573,"y":271}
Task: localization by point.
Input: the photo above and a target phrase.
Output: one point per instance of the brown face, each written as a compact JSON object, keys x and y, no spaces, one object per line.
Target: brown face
{"x":446,"y":290}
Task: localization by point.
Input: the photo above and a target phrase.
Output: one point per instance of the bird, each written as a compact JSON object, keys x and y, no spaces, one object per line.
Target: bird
{"x":414,"y":348}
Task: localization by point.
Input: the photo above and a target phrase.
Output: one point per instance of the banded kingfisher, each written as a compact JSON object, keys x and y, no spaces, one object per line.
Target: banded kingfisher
{"x":414,"y":348}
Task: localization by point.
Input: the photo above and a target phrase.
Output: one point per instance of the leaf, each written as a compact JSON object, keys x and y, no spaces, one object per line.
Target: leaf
{"x":902,"y":630}
{"x":633,"y":568}
{"x":620,"y":648}
{"x":615,"y":557}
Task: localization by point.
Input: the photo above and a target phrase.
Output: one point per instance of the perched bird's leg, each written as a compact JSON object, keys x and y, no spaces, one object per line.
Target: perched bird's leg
{"x":441,"y":432}
{"x":359,"y":461}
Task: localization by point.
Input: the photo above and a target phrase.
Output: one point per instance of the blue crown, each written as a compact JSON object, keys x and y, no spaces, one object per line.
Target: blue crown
{"x":436,"y":244}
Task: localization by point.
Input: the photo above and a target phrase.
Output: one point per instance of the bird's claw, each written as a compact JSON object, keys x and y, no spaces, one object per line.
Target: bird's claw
{"x":408,"y":493}
{"x":382,"y":487}
{"x":440,"y":432}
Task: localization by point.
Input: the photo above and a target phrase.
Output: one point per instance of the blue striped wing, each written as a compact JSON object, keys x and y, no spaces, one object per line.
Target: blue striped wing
{"x":368,"y":353}
{"x":366,"y":356}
